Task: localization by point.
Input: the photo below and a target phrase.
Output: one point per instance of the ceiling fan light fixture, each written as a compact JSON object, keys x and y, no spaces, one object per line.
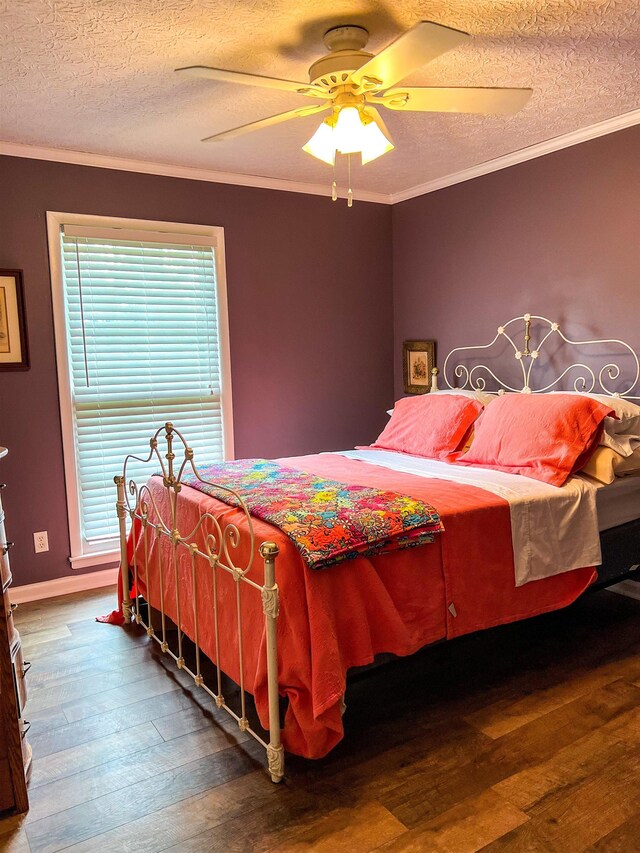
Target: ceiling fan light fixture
{"x":374,"y":143}
{"x":322,"y":144}
{"x":349,"y":130}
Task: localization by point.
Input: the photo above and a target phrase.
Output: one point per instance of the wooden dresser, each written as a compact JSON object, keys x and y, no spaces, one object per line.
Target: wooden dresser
{"x":15,"y":752}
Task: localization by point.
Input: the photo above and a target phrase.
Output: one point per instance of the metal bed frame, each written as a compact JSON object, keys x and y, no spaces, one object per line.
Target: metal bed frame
{"x":138,"y":505}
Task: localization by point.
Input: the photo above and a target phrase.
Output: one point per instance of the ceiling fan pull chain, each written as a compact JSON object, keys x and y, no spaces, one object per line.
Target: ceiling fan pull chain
{"x":349,"y":191}
{"x":334,"y":185}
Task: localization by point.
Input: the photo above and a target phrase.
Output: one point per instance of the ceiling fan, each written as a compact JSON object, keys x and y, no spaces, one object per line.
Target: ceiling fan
{"x":352,"y":83}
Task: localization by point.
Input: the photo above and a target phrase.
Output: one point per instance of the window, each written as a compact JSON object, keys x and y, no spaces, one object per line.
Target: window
{"x":141,"y":338}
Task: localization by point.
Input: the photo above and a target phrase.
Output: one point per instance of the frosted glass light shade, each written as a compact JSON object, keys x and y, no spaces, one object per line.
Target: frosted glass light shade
{"x":322,"y":144}
{"x":374,"y":143}
{"x":352,"y":132}
{"x":348,"y":131}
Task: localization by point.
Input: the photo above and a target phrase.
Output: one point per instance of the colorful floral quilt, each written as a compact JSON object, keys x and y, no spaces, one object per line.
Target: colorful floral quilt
{"x":327,"y":521}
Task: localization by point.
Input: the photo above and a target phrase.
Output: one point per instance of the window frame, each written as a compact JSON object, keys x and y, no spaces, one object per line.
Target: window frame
{"x":83,"y":555}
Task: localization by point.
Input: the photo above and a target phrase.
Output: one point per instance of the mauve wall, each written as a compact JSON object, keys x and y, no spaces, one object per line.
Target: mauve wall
{"x":310,"y":301}
{"x":557,"y":236}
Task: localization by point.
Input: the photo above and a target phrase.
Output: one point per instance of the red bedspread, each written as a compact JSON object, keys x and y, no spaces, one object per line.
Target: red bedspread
{"x":342,"y":617}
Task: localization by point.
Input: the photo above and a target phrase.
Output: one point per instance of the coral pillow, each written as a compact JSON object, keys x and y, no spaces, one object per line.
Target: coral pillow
{"x":623,"y":433}
{"x":431,"y":425}
{"x":546,"y":437}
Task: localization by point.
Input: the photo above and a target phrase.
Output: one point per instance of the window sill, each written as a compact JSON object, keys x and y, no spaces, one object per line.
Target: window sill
{"x":88,"y":561}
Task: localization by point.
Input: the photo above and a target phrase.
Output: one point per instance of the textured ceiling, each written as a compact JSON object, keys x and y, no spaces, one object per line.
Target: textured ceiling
{"x":97,"y":76}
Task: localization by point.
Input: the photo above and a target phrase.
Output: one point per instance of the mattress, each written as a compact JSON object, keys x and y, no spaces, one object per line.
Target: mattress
{"x":618,"y":503}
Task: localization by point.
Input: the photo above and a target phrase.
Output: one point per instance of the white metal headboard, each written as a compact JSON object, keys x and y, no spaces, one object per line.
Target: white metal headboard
{"x":529,"y":355}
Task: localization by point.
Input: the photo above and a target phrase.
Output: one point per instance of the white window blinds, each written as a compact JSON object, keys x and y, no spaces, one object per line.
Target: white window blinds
{"x":143,"y":346}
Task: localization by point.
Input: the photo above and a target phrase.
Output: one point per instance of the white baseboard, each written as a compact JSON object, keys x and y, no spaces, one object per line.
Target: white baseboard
{"x":629,"y":588}
{"x":64,"y":586}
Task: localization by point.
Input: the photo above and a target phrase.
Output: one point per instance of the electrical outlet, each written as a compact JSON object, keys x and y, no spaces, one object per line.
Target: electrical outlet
{"x":41,"y":541}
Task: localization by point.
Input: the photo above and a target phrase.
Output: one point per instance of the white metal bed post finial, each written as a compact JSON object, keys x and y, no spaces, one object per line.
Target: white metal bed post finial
{"x":121,"y":509}
{"x":271,"y":605}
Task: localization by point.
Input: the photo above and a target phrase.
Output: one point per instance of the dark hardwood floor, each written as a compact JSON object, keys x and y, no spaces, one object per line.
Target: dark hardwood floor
{"x":523,"y":738}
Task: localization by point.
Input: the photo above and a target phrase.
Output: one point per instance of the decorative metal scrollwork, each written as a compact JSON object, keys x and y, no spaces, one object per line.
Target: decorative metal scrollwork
{"x":480,"y":377}
{"x":270,"y":601}
{"x":275,"y":757}
{"x":222,"y":545}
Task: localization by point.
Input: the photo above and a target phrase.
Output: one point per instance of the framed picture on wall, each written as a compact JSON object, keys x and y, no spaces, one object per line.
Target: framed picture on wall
{"x":14,"y":353}
{"x":418,"y":360}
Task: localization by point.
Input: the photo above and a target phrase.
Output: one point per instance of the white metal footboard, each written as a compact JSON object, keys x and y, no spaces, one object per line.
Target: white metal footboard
{"x":137,"y":503}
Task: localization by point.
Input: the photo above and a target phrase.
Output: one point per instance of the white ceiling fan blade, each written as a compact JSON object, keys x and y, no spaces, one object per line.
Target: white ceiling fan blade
{"x":455,"y":100}
{"x":411,"y":50}
{"x":265,"y":122}
{"x":252,"y":80}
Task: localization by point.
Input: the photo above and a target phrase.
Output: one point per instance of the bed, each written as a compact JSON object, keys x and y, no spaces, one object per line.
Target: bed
{"x":511,"y":548}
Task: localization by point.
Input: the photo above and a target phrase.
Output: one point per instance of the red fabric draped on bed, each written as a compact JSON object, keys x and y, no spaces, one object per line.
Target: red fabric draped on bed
{"x":343,"y":616}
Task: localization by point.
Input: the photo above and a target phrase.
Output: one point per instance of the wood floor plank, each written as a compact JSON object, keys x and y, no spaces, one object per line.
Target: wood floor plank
{"x":54,"y":661}
{"x":467,"y":827}
{"x":430,"y":756}
{"x":92,"y":645}
{"x":622,"y":839}
{"x":526,"y":737}
{"x":54,"y":737}
{"x":340,"y":830}
{"x":45,"y":635}
{"x":618,"y":705}
{"x":296,"y":821}
{"x":564,"y":770}
{"x":121,"y":771}
{"x":196,"y":718}
{"x":92,"y":684}
{"x":79,"y":608}
{"x":94,"y":601}
{"x":90,"y":636}
{"x":93,"y":754}
{"x":119,"y":697}
{"x":434,"y":786}
{"x":99,"y":815}
{"x":63,"y":668}
{"x":179,"y":822}
{"x":580,"y":815}
{"x":505,"y":717}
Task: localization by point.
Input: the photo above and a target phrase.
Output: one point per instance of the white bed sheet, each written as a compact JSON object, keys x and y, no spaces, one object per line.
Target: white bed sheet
{"x":553,"y":530}
{"x":619,"y":502}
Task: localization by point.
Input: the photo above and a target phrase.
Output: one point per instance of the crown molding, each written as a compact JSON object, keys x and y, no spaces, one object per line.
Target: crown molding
{"x":539,"y":149}
{"x":103,"y":161}
{"x":556,"y":143}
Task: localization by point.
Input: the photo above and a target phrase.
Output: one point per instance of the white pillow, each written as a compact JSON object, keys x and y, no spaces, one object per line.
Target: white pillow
{"x":622,"y":435}
{"x":481,"y":396}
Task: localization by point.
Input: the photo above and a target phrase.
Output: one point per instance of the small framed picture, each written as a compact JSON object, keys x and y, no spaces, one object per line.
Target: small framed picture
{"x":419,"y":359}
{"x":14,"y":354}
